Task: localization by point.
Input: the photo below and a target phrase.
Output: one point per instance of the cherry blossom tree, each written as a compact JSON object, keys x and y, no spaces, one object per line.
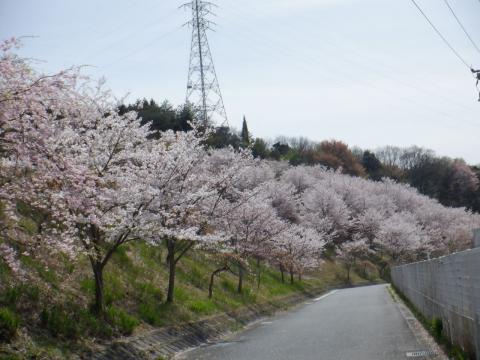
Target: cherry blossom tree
{"x":400,"y":234}
{"x":253,"y":227}
{"x":191,"y":186}
{"x":32,"y":171}
{"x":350,"y":252}
{"x":325,"y":211}
{"x":68,"y":155}
{"x":230,"y":262}
{"x":299,"y":249}
{"x":114,"y":150}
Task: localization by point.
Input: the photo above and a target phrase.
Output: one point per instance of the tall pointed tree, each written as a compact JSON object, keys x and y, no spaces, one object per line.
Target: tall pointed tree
{"x":245,"y":133}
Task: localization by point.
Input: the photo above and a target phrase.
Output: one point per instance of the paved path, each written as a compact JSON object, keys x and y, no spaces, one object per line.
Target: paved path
{"x":352,"y":324}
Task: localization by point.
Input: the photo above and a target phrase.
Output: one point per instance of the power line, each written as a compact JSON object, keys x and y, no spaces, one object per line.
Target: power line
{"x":128,"y":35}
{"x":461,"y":25}
{"x":272,"y":47}
{"x":356,"y":60}
{"x":137,"y":50}
{"x":440,"y":35}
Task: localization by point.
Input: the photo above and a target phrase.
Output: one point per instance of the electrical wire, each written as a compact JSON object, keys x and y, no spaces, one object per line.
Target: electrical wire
{"x":440,"y":35}
{"x":375,"y":69}
{"x":138,"y":50}
{"x":461,"y":25}
{"x":351,"y":61}
{"x":128,"y":35}
{"x":271,"y":46}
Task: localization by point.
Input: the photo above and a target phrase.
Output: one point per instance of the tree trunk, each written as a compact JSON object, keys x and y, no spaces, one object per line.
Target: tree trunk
{"x":240,"y":281}
{"x":99,"y":305}
{"x":282,"y":271}
{"x":212,"y":279}
{"x":259,"y":274}
{"x":171,"y":269}
{"x":291,"y":276}
{"x":348,"y":274}
{"x":300,"y":277}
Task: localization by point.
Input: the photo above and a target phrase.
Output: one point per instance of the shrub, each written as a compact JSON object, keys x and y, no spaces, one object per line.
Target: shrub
{"x":121,"y":320}
{"x":8,"y":324}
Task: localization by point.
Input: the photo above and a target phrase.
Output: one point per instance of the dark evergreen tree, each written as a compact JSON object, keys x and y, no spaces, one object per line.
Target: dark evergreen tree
{"x":372,"y":165}
{"x":161,"y":117}
{"x":260,"y":149}
{"x":279,"y":151}
{"x":223,"y":137}
{"x":245,"y":135}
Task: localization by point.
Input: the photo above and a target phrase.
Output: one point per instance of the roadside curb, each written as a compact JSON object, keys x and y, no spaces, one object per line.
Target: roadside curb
{"x":423,"y":337}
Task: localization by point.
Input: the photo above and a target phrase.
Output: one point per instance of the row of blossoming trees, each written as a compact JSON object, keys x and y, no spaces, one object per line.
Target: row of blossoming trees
{"x":97,"y":180}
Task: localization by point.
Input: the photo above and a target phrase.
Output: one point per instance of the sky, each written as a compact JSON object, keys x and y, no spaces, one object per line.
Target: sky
{"x":367,"y":72}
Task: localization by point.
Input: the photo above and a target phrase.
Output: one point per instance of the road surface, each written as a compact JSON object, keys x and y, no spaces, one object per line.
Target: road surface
{"x":353,"y":324}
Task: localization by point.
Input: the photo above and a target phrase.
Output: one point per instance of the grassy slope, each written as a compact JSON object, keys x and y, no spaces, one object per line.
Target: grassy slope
{"x":54,"y":318}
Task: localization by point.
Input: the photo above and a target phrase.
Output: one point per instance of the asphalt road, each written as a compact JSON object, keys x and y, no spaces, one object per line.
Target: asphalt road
{"x":353,"y":324}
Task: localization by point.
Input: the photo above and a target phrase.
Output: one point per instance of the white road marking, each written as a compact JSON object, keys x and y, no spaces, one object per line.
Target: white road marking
{"x":326,"y":295}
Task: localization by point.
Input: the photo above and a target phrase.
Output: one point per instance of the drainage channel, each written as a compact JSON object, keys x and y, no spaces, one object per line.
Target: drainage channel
{"x":421,"y":354}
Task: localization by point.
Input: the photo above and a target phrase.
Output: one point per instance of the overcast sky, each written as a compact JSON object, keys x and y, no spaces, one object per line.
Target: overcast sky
{"x":368,"y":72}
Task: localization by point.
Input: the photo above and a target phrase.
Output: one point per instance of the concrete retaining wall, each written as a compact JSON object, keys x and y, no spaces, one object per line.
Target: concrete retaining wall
{"x":447,"y":288}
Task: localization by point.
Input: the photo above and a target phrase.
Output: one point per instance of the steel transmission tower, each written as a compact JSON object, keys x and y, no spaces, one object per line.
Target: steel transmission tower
{"x":203,"y":90}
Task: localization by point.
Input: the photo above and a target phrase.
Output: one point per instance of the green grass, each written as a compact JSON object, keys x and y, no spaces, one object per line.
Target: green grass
{"x":28,"y":225}
{"x":148,"y":292}
{"x":46,"y":274}
{"x":16,"y":296}
{"x":122,"y":321}
{"x":8,"y":324}
{"x":202,"y":307}
{"x":69,"y":322}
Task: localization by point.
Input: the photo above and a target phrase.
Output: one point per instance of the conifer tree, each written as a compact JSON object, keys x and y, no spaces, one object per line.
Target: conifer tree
{"x":245,"y":135}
